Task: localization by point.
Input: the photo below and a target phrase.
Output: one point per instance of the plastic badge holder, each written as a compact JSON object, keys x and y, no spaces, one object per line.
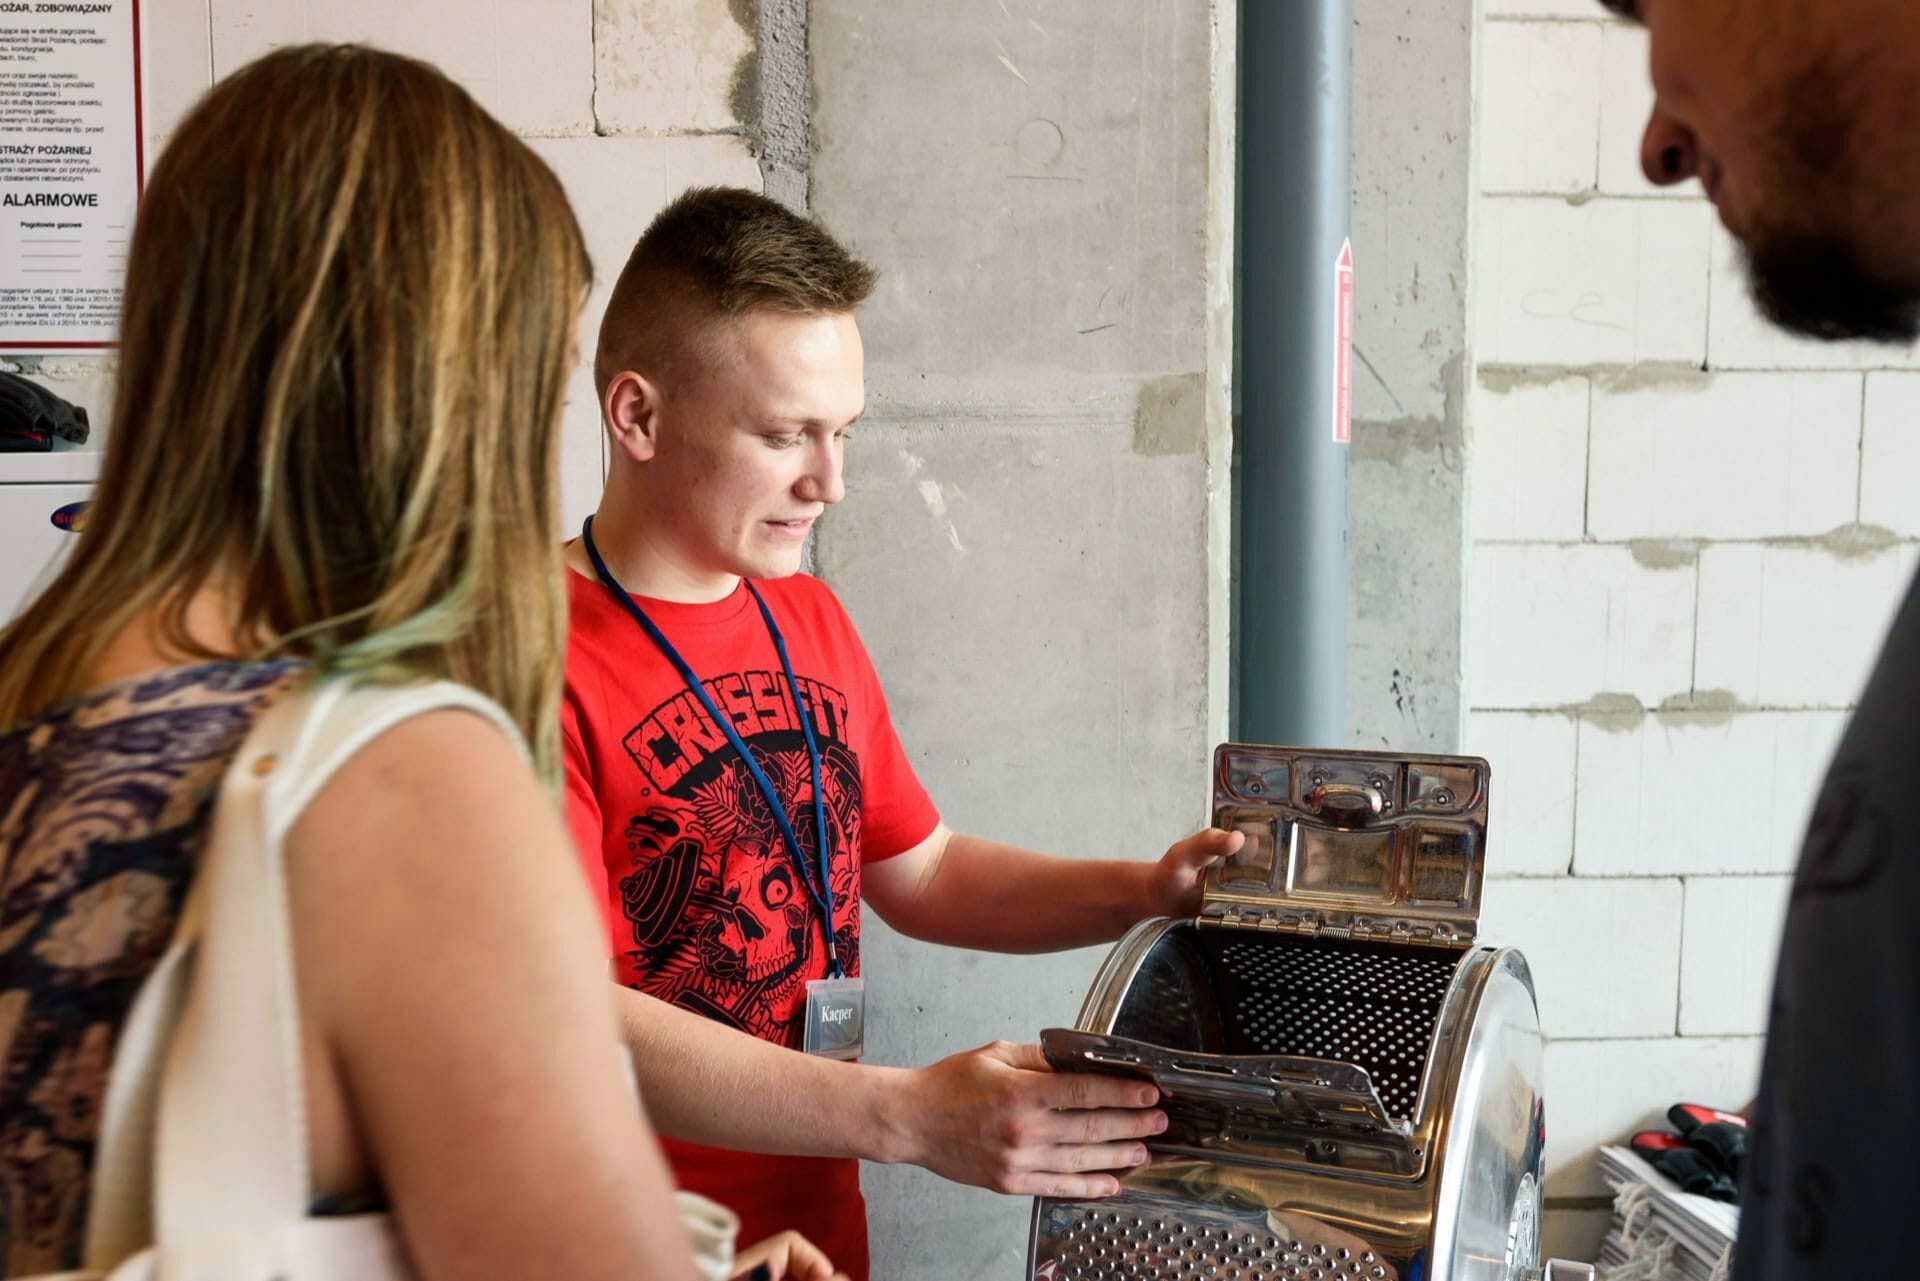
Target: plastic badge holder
{"x":836,"y":1018}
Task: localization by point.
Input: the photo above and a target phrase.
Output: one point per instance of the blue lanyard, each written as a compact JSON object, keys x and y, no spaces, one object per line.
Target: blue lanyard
{"x":823,"y":896}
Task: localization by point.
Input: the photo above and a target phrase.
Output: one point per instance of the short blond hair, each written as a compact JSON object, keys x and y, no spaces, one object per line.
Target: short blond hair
{"x":712,"y":255}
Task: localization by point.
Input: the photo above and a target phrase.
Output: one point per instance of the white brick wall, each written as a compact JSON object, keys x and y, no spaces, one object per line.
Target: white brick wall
{"x":583,"y":451}
{"x":1563,"y":923}
{"x":1680,"y":793}
{"x":1725,"y":456}
{"x":1532,"y":789}
{"x":666,"y":66}
{"x":176,"y":65}
{"x":1529,"y":478}
{"x":529,"y":62}
{"x":1794,"y":626}
{"x":1601,"y":282}
{"x":1544,"y":77}
{"x":1689,"y":533}
{"x":1727,"y":953}
{"x":1554,"y":625}
{"x":1890,"y":453}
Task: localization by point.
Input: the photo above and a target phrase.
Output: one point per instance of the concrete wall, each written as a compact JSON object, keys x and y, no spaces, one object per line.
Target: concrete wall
{"x":1406,"y":487}
{"x":1688,"y":534}
{"x":1029,"y":541}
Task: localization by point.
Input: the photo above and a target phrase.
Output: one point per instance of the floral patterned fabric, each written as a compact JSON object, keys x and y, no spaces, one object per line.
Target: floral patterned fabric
{"x":104,"y":805}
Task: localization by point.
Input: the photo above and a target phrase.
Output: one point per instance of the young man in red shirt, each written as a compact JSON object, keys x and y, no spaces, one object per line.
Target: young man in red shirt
{"x":734,"y":781}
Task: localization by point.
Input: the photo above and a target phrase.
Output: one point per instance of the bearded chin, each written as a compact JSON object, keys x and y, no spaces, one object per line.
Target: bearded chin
{"x":1816,"y":285}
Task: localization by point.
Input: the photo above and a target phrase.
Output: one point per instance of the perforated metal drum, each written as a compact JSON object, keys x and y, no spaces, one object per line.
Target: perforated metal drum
{"x":1353,"y":1085}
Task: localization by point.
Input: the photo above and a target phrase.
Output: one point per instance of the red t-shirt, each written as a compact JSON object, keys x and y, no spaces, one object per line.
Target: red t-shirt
{"x":703,"y":903}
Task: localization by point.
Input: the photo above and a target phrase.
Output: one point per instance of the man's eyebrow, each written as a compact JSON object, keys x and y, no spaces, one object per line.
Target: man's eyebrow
{"x":805,"y":422}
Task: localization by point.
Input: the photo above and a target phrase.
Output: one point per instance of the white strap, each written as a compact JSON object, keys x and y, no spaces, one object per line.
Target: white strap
{"x":230,"y":1099}
{"x":120,"y":1198}
{"x":711,"y":1227}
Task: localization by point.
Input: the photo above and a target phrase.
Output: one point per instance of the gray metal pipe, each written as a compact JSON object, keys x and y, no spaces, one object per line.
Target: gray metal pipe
{"x":1290,"y":477}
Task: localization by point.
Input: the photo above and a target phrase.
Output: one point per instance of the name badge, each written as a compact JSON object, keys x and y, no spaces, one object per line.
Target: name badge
{"x":836,"y":1017}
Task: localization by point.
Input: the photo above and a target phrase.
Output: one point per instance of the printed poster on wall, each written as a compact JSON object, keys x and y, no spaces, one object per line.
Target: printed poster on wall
{"x":70,"y":169}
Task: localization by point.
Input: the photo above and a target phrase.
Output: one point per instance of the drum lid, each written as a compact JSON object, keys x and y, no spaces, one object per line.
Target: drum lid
{"x":1366,"y":845}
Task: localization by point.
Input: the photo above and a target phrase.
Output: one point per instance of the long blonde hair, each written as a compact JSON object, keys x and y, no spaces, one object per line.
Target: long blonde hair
{"x":347,"y":329}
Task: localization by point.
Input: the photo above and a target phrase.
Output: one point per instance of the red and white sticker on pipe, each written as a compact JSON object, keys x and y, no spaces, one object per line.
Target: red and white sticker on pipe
{"x":1343,"y":346}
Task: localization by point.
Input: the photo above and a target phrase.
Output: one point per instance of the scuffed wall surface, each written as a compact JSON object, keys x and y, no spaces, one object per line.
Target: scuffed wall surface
{"x":1027,"y":541}
{"x":1406,"y":482}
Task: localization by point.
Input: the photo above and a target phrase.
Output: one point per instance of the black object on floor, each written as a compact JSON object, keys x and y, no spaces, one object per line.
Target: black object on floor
{"x":1721,"y":1136}
{"x":1690,"y":1169}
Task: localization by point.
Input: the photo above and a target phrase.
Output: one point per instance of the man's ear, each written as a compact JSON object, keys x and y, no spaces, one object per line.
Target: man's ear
{"x":630,"y":406}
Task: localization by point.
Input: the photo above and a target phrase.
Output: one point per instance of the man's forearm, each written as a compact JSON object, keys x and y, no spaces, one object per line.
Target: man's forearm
{"x":1002,"y":898}
{"x":703,"y":1082}
{"x":995,"y":1117}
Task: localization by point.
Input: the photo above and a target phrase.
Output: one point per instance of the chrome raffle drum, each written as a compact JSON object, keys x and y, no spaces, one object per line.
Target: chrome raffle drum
{"x":1352,"y":1082}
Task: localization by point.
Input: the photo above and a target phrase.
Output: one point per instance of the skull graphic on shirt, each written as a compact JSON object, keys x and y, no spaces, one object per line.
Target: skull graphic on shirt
{"x":721,"y":921}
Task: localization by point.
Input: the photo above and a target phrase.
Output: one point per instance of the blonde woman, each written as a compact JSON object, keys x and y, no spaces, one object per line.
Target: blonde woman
{"x":349,"y":317}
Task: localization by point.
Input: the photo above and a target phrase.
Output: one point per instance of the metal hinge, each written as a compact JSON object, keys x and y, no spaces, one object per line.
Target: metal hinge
{"x":1360,"y":928}
{"x":1304,"y":924}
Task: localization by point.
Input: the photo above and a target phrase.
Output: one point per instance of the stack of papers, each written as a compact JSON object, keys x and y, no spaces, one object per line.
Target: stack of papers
{"x":1660,"y":1233}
